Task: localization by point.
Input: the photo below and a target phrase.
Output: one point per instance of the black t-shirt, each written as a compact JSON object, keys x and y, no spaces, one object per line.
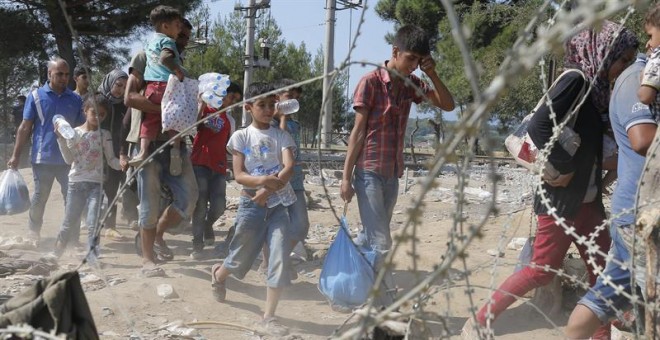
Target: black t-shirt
{"x":589,"y":126}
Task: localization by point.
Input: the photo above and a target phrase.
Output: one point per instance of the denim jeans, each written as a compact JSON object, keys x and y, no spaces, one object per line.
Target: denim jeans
{"x":376,"y":198}
{"x":299,"y":217}
{"x":81,"y":195}
{"x":616,"y":276}
{"x":254,"y":226}
{"x":210,"y":205}
{"x":183,"y":187}
{"x":44,"y":175}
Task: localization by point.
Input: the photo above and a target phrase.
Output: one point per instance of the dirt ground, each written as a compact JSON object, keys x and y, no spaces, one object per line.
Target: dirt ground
{"x":131,"y":305}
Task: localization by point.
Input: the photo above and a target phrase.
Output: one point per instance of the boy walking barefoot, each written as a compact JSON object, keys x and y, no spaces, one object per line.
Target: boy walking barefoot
{"x":263,"y":163}
{"x":162,"y":60}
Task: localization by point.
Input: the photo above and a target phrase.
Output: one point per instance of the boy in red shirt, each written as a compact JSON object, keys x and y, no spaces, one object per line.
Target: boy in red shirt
{"x":209,"y":159}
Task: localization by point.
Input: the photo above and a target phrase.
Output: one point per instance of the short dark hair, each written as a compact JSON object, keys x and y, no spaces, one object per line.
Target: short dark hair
{"x":79,"y":71}
{"x":99,"y":100}
{"x":411,"y":38}
{"x":21,"y":97}
{"x":286,"y":82}
{"x":186,"y":23}
{"x":256,"y":89}
{"x":162,"y":14}
{"x":653,"y":16}
{"x":234,"y":88}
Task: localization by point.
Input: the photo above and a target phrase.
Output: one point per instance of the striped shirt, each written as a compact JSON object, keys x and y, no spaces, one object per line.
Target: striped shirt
{"x":382,"y":150}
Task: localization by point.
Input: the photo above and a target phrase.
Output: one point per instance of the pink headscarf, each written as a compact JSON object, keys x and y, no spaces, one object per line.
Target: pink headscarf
{"x":586,"y":51}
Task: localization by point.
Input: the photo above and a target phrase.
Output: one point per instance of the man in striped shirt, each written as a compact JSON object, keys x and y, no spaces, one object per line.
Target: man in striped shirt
{"x":374,"y":159}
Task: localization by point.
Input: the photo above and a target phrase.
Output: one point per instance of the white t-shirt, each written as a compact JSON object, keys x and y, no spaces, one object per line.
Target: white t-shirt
{"x":263,"y":156}
{"x":85,"y":150}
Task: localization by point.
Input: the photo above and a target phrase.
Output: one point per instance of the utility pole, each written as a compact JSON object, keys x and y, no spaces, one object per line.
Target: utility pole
{"x":328,"y":66}
{"x":249,"y":55}
{"x":249,"y":60}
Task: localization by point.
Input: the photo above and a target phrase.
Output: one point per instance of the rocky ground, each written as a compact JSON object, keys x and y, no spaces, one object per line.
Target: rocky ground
{"x":126,"y":305}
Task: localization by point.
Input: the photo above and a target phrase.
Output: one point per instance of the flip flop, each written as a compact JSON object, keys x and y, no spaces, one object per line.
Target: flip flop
{"x":163,"y":252}
{"x":219,"y":289}
{"x":154,"y":271}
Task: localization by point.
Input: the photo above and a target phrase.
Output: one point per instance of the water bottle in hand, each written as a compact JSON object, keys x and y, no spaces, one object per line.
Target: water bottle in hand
{"x":288,"y":106}
{"x":64,"y":128}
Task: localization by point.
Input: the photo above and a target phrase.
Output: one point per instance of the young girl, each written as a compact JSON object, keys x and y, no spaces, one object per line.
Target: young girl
{"x":85,"y":152}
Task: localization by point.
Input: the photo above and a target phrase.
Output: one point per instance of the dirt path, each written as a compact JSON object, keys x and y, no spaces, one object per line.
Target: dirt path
{"x":133,"y":307}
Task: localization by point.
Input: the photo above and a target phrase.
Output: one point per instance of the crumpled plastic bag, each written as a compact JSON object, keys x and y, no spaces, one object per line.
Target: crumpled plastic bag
{"x":347,"y":276}
{"x":179,"y":105}
{"x":14,"y":194}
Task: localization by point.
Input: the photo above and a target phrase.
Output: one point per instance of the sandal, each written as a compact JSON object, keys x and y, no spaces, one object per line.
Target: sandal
{"x":152,"y":271}
{"x":163,"y":252}
{"x":175,"y":162}
{"x":219,"y":289}
{"x":271,"y":326}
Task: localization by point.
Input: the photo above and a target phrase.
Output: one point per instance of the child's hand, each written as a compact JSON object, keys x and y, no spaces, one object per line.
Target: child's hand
{"x":427,"y":64}
{"x":179,"y":74}
{"x":272,"y":182}
{"x":261,"y":197}
{"x":123,"y":162}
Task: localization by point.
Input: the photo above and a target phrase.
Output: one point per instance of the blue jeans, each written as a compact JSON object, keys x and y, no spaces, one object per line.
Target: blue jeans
{"x":81,"y":195}
{"x":44,"y":175}
{"x":615,"y":276}
{"x":210,"y":205}
{"x":376,"y":198}
{"x":299,"y":217}
{"x":254,"y":226}
{"x":183,"y":187}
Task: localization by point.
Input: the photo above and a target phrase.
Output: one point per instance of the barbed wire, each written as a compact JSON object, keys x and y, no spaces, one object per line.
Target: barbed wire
{"x":524,"y":55}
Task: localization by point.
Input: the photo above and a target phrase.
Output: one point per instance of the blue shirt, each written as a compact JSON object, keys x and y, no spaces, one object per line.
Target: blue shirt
{"x":155,"y":71}
{"x":44,"y":141}
{"x":627,"y":111}
{"x":293,"y":127}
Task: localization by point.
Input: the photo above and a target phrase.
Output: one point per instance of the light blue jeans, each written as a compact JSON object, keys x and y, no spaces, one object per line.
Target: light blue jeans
{"x":256,"y":225}
{"x":211,"y":203}
{"x":603,"y":299}
{"x":376,"y":198}
{"x":44,"y":175}
{"x":81,"y":195}
{"x":157,"y":173}
{"x":299,"y":217}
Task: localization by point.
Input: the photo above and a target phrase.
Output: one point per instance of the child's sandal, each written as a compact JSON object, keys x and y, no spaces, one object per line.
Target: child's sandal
{"x":219,"y":289}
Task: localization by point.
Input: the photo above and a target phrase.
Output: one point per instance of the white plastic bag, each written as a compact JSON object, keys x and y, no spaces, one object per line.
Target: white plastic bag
{"x":179,"y":104}
{"x":14,"y":195}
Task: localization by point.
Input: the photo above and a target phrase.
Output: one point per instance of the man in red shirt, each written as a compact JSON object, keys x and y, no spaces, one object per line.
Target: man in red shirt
{"x":382,"y":103}
{"x":209,"y":159}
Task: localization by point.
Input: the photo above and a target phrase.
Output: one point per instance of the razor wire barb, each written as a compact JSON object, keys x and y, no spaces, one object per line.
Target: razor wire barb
{"x":524,"y":55}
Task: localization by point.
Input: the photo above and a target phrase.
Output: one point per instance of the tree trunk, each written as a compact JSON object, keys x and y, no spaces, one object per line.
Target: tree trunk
{"x":63,"y":37}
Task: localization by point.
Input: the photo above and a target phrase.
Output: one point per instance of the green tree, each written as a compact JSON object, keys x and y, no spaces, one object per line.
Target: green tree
{"x":225,"y":49}
{"x":103,"y":26}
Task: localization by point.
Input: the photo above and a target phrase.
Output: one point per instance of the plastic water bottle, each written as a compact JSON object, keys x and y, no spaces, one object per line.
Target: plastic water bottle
{"x":288,"y":106}
{"x":214,"y":87}
{"x":222,"y":79}
{"x":64,"y":127}
{"x":212,"y":100}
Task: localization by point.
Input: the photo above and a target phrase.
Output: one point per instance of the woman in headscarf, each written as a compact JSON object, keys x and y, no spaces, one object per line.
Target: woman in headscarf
{"x":112,"y":88}
{"x":601,"y":54}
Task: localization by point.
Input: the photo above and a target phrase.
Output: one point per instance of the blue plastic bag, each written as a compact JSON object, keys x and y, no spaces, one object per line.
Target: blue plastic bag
{"x":347,"y":277}
{"x":14,"y":195}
